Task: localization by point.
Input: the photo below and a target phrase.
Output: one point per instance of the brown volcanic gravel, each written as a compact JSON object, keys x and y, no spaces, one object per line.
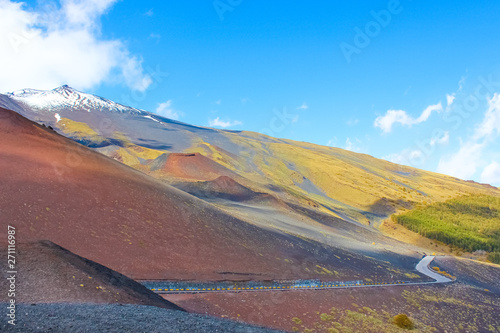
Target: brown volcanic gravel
{"x":47,"y":273}
{"x":194,"y":166}
{"x":92,"y":318}
{"x":55,"y":189}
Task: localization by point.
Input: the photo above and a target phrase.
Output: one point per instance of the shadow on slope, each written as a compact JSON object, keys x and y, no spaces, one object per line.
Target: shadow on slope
{"x":223,"y":187}
{"x":192,"y":166}
{"x":49,"y":273}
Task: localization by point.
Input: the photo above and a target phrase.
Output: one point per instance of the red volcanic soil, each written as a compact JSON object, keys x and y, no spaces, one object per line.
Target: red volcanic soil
{"x":448,"y":308}
{"x":55,"y":189}
{"x":193,"y":166}
{"x":50,"y":274}
{"x":223,"y":187}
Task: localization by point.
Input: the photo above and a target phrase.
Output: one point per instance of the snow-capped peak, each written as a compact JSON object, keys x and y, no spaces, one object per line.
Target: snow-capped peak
{"x":65,"y":97}
{"x":24,"y":93}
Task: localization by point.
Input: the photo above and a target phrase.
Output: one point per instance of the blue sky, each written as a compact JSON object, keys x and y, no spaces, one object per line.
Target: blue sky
{"x":414,"y":82}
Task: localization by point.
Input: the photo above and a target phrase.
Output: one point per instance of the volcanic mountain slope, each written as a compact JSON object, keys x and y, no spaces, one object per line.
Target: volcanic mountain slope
{"x":59,"y":291}
{"x":223,"y":187}
{"x":56,"y":189}
{"x":352,"y":186}
{"x":52,"y":274}
{"x":194,"y":166}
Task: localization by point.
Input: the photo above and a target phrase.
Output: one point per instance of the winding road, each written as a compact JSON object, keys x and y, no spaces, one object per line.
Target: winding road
{"x":423,"y":267}
{"x":165,"y":287}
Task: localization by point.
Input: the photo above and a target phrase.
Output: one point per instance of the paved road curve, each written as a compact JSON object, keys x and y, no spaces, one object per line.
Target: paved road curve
{"x":169,"y":287}
{"x":423,"y":267}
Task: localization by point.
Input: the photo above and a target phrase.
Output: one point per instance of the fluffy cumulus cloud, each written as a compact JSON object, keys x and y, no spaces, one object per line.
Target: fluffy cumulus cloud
{"x":53,"y":45}
{"x":473,"y":154}
{"x":165,"y":109}
{"x":217,"y":122}
{"x":392,"y":117}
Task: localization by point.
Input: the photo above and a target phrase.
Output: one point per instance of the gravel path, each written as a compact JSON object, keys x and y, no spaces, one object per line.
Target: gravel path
{"x":76,"y":318}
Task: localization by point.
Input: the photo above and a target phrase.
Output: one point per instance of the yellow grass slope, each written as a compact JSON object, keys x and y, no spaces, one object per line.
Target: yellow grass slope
{"x":353,"y":186}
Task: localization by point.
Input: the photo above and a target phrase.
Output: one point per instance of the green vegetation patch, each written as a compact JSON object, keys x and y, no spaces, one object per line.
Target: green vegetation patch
{"x":403,"y":321}
{"x":494,"y":257}
{"x":469,"y":222}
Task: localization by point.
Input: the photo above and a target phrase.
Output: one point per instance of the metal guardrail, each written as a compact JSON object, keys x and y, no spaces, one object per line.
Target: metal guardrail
{"x":164,"y":287}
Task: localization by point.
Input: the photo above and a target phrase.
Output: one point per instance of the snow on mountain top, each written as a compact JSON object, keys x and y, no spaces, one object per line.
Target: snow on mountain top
{"x":66,"y":97}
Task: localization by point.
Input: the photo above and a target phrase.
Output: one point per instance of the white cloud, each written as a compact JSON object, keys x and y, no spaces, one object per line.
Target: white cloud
{"x":224,"y":124}
{"x":450,"y":99}
{"x":396,"y":158}
{"x":491,"y":174}
{"x":464,"y":163}
{"x":416,"y":154}
{"x":218,"y":102}
{"x":445,"y":139}
{"x":44,"y":49}
{"x":348,"y":144}
{"x":399,"y":116}
{"x":84,"y":13}
{"x":165,"y":109}
{"x":417,"y":157}
{"x":353,"y":146}
{"x":391,"y":117}
{"x":427,"y":112}
{"x":469,"y":158}
{"x":414,"y":158}
{"x":491,"y":122}
{"x":461,"y":83}
{"x":303,"y":107}
{"x":332,"y":142}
